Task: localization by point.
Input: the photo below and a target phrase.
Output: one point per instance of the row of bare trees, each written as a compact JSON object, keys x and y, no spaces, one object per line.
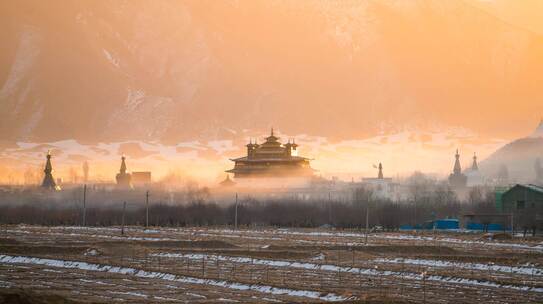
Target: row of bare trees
{"x":196,"y":208}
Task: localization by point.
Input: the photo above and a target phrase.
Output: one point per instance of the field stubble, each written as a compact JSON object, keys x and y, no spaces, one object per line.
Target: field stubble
{"x":267,"y":265}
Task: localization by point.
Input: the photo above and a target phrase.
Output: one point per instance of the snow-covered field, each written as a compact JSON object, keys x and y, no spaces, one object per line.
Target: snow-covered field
{"x":213,"y":265}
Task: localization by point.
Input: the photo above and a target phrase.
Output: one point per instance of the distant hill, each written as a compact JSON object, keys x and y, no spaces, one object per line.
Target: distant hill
{"x":518,"y":156}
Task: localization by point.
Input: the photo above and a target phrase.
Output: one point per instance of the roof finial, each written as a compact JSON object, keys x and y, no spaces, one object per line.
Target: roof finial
{"x":123,"y":165}
{"x":474,"y":166}
{"x":457,"y":168}
{"x":271,"y":131}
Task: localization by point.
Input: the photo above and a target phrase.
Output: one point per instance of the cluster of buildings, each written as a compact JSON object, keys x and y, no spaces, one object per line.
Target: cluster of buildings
{"x":124,"y":180}
{"x":274,"y":165}
{"x":280,"y":165}
{"x":461,"y":180}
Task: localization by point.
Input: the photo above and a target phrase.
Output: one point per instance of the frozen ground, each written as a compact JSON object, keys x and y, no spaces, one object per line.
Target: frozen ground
{"x":210,"y":265}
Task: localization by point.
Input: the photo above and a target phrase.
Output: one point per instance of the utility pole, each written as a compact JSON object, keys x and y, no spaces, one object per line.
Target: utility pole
{"x":367,"y":222}
{"x":84,"y":205}
{"x":122,"y":219}
{"x":147,"y":209}
{"x":329,"y":208}
{"x":512,"y":227}
{"x":236,"y":214}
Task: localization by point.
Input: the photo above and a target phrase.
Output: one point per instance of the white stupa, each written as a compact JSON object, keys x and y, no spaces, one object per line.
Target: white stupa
{"x":539,"y":131}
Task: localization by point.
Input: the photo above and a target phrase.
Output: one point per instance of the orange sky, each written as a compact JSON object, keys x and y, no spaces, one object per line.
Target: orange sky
{"x":345,"y":72}
{"x":103,"y":70}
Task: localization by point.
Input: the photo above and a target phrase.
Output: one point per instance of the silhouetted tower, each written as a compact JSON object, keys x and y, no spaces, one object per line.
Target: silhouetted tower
{"x":457,"y":179}
{"x":290,"y":148}
{"x":251,"y":148}
{"x":124,"y":180}
{"x":474,"y":165}
{"x":48,"y":180}
{"x":380,"y":175}
{"x":457,"y":167}
{"x":86,"y":171}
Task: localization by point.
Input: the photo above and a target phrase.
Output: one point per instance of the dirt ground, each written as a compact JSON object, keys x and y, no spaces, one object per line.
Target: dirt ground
{"x":217,"y":264}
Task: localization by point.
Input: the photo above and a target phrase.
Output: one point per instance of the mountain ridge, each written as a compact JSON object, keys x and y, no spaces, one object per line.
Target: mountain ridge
{"x":99,"y":71}
{"x":519,"y":157}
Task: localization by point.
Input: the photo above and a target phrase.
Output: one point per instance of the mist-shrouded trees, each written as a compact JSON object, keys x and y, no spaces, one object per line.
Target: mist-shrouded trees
{"x":195,"y":206}
{"x":426,"y":199}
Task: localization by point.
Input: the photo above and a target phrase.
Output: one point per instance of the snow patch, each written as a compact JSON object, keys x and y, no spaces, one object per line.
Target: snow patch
{"x":114,"y":61}
{"x":134,"y":99}
{"x":6,"y":259}
{"x":354,"y":270}
{"x":524,"y":270}
{"x":91,"y":252}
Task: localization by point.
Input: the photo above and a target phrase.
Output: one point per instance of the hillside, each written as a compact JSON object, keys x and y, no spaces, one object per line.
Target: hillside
{"x":186,"y":70}
{"x":519,"y":156}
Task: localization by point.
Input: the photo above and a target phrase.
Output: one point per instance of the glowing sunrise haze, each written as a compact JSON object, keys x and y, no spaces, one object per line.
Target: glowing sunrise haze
{"x":183,"y":85}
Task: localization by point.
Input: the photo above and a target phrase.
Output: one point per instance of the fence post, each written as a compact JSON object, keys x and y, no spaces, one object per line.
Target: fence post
{"x":203,"y":266}
{"x":378,"y":283}
{"x":218,"y":267}
{"x":251,"y":270}
{"x":147,"y":209}
{"x":236,"y":214}
{"x":339,"y":267}
{"x":367,"y":222}
{"x":320,"y":275}
{"x":401,"y":281}
{"x":424,"y":287}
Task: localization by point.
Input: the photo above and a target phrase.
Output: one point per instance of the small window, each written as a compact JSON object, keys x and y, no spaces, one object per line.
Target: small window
{"x":520,"y":204}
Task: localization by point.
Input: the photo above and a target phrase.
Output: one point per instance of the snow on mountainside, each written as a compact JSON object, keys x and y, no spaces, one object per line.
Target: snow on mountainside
{"x":190,"y":70}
